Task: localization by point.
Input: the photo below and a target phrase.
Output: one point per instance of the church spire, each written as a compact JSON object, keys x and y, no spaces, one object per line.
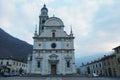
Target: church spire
{"x":44,"y":11}
{"x":42,"y":18}
{"x":71,"y":32}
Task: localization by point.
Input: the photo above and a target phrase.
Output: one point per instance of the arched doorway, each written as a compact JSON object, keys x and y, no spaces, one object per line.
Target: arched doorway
{"x":53,"y":62}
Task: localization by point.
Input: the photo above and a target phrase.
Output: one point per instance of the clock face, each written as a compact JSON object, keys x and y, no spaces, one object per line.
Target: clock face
{"x":53,"y":45}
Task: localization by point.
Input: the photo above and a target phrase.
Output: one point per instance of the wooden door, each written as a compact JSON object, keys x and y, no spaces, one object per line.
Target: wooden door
{"x":53,"y":69}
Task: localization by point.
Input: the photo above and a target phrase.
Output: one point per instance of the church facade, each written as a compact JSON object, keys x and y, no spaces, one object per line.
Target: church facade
{"x":53,"y":49}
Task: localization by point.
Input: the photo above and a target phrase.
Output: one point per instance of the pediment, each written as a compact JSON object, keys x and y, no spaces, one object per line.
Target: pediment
{"x":54,"y":22}
{"x":53,"y":56}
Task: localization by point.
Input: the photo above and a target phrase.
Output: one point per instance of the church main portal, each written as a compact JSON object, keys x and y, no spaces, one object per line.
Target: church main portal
{"x":53,"y":69}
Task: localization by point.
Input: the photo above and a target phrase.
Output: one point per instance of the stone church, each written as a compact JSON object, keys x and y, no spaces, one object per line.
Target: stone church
{"x":53,"y":49}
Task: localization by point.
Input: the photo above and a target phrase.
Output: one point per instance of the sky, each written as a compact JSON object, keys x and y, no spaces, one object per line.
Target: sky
{"x":95,"y":23}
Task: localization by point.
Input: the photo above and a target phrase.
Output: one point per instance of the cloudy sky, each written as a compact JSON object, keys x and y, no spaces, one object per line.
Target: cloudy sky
{"x":95,"y":23}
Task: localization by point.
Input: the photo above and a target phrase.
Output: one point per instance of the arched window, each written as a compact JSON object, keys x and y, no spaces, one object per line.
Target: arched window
{"x":68,"y":64}
{"x":53,"y":34}
{"x":43,"y":21}
{"x":42,"y":27}
{"x":38,"y":64}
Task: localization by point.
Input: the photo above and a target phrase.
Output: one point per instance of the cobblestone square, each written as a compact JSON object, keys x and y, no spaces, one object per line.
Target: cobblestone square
{"x":55,"y":78}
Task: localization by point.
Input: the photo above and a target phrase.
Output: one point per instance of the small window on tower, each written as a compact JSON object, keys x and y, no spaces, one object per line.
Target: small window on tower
{"x":42,"y":27}
{"x":44,"y":13}
{"x":43,"y":21}
{"x":68,"y":64}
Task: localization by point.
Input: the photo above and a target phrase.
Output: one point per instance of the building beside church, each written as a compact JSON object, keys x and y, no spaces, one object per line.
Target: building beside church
{"x":53,"y":49}
{"x":107,"y":66}
{"x":117,"y":53}
{"x":95,"y":67}
{"x":12,"y":65}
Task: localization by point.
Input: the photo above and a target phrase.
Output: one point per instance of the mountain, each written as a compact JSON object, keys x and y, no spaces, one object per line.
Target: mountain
{"x":18,"y":49}
{"x":13,"y":47}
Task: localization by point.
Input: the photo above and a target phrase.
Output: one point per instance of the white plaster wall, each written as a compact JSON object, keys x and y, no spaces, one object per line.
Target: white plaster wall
{"x":46,"y":67}
{"x":61,"y":45}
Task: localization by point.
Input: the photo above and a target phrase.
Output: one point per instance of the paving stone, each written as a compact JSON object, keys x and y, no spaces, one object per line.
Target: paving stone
{"x":55,"y":78}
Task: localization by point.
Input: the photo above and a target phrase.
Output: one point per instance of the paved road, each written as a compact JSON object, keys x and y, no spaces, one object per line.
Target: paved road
{"x":55,"y":78}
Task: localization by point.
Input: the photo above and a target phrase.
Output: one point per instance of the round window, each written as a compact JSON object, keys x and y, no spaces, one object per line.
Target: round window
{"x":53,"y":45}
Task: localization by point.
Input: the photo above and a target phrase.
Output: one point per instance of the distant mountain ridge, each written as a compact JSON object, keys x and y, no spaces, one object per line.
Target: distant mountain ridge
{"x":13,"y":47}
{"x":18,"y":49}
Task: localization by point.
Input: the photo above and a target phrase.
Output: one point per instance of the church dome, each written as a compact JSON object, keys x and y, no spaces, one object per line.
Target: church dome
{"x":54,"y":22}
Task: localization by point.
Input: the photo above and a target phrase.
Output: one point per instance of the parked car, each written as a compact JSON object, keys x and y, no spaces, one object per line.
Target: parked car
{"x":10,"y":74}
{"x":6,"y":74}
{"x":14,"y":74}
{"x":95,"y":75}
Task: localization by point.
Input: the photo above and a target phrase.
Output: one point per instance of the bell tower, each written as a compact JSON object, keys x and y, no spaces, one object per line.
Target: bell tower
{"x":42,"y":18}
